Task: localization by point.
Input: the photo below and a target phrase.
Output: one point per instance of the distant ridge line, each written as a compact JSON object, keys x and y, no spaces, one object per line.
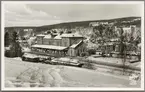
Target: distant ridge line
{"x":79,"y":22}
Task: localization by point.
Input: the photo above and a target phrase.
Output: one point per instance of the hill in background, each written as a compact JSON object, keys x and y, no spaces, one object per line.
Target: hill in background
{"x":84,"y":26}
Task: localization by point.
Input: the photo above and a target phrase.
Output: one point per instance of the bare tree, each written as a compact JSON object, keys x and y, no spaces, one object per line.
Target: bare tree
{"x":15,"y":48}
{"x":7,"y":39}
{"x":128,"y":44}
{"x":101,"y":35}
{"x":122,"y":48}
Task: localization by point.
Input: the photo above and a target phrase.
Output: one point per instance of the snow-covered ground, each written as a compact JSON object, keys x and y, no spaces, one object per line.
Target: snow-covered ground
{"x":27,"y":74}
{"x":114,"y":61}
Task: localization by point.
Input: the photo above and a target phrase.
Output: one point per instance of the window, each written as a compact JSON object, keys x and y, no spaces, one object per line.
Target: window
{"x":49,"y":42}
{"x":65,"y":43}
{"x":57,"y":43}
{"x":72,"y":52}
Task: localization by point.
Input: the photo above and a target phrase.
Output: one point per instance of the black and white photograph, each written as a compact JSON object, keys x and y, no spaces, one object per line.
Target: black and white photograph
{"x":72,"y":45}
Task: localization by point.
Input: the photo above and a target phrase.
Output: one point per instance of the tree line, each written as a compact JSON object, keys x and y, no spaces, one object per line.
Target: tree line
{"x":104,"y":33}
{"x":126,"y":41}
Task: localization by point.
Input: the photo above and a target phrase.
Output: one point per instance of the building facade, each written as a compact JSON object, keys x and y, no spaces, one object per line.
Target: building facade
{"x":60,"y":45}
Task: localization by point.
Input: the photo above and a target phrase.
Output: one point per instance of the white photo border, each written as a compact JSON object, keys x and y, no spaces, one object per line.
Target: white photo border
{"x":72,"y":88}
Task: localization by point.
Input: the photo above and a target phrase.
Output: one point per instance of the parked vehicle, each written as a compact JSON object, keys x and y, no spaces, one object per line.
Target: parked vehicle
{"x":48,"y":60}
{"x":53,"y":62}
{"x":60,"y":62}
{"x":75,"y":64}
{"x":35,"y":58}
{"x":44,"y":58}
{"x":30,"y":58}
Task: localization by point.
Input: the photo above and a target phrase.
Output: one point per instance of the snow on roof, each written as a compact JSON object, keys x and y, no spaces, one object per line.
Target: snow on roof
{"x":49,"y":47}
{"x":115,"y":39}
{"x":75,"y":45}
{"x":109,"y":43}
{"x":40,"y":35}
{"x":57,"y":37}
{"x":26,"y":49}
{"x":33,"y":37}
{"x":126,"y":28}
{"x":54,"y":33}
{"x":48,"y":36}
{"x":30,"y":55}
{"x":71,"y":35}
{"x":139,"y":45}
{"x":7,"y":48}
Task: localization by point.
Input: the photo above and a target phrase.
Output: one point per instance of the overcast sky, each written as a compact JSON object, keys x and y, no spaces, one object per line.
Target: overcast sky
{"x":22,"y":14}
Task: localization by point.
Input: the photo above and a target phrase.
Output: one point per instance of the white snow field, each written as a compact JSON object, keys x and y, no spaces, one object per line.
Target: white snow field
{"x":19,"y":73}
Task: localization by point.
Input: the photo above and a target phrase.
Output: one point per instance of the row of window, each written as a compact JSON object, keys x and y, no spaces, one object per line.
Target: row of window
{"x":51,"y":42}
{"x":48,"y":51}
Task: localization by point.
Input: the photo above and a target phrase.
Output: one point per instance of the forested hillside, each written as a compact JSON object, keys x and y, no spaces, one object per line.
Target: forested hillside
{"x":83,"y":27}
